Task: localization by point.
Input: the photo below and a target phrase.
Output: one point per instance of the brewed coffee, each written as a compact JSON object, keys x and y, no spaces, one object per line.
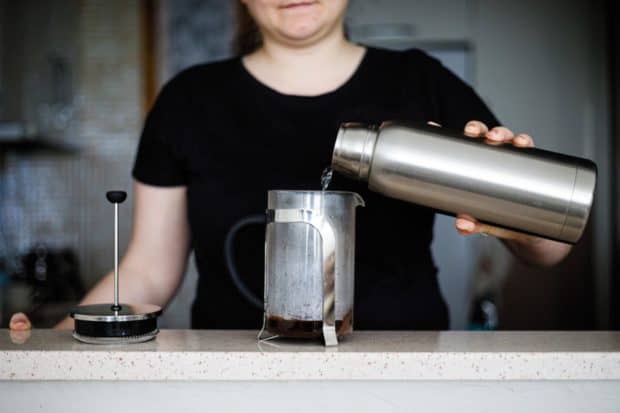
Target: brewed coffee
{"x":307,"y":329}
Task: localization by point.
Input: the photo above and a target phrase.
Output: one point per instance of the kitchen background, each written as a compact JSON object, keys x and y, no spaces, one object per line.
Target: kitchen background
{"x":77,"y":78}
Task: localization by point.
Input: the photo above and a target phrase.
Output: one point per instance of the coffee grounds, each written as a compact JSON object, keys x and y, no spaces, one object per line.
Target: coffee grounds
{"x":305,"y":328}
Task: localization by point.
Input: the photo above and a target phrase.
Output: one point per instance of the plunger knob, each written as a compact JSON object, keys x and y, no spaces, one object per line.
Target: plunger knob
{"x":116,"y":197}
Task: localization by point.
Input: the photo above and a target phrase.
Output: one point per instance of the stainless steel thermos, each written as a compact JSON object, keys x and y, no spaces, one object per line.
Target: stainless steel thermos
{"x":525,"y":189}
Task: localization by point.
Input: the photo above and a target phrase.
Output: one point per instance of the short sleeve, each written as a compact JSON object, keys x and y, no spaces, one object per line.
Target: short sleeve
{"x":158,"y":160}
{"x":455,"y":102}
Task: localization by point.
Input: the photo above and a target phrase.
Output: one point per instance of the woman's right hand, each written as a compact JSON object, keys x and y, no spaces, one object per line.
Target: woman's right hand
{"x":19,"y":322}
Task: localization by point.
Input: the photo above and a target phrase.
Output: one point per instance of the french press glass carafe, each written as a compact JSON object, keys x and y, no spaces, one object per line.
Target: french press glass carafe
{"x":309,"y":264}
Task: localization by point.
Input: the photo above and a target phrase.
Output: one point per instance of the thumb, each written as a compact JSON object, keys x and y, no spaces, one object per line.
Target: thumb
{"x":19,"y":322}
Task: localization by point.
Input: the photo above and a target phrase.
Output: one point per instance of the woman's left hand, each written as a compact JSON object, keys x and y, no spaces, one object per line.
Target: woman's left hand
{"x":533,"y":249}
{"x":467,"y":225}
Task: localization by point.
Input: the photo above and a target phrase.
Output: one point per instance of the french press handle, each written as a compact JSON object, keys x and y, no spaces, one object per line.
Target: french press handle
{"x":229,"y":257}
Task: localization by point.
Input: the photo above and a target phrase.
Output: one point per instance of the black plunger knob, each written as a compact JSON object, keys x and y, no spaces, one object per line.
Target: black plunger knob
{"x":116,"y":197}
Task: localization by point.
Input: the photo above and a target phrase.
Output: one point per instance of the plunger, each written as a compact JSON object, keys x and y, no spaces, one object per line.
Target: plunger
{"x":114,"y":323}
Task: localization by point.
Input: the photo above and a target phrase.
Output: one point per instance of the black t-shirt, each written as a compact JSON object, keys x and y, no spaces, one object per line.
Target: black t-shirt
{"x":230,"y":138}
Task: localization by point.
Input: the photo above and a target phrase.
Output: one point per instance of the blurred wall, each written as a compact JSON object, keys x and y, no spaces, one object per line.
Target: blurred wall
{"x":541,"y":65}
{"x":71,"y":68}
{"x":2,"y":57}
{"x":193,"y":31}
{"x":614,"y":49}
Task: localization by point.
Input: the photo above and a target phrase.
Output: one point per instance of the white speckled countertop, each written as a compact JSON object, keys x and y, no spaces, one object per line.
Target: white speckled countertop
{"x":236,"y":355}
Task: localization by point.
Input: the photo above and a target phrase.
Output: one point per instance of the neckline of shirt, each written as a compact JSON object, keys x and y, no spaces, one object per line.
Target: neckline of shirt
{"x":347,"y":84}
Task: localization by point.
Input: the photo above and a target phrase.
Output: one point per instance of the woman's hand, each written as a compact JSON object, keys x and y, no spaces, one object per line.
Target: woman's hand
{"x":467,"y":225}
{"x":19,"y":328}
{"x":19,"y":322}
{"x":534,"y":250}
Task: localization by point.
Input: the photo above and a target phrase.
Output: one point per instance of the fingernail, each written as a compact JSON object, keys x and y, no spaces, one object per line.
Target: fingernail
{"x":464,"y":225}
{"x":494,"y":136}
{"x":471,"y":129}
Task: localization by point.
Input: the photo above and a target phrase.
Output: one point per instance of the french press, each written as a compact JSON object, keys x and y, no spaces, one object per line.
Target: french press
{"x":309,"y":264}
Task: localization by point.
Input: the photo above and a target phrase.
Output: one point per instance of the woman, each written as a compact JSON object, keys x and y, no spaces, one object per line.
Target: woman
{"x":221,"y":135}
